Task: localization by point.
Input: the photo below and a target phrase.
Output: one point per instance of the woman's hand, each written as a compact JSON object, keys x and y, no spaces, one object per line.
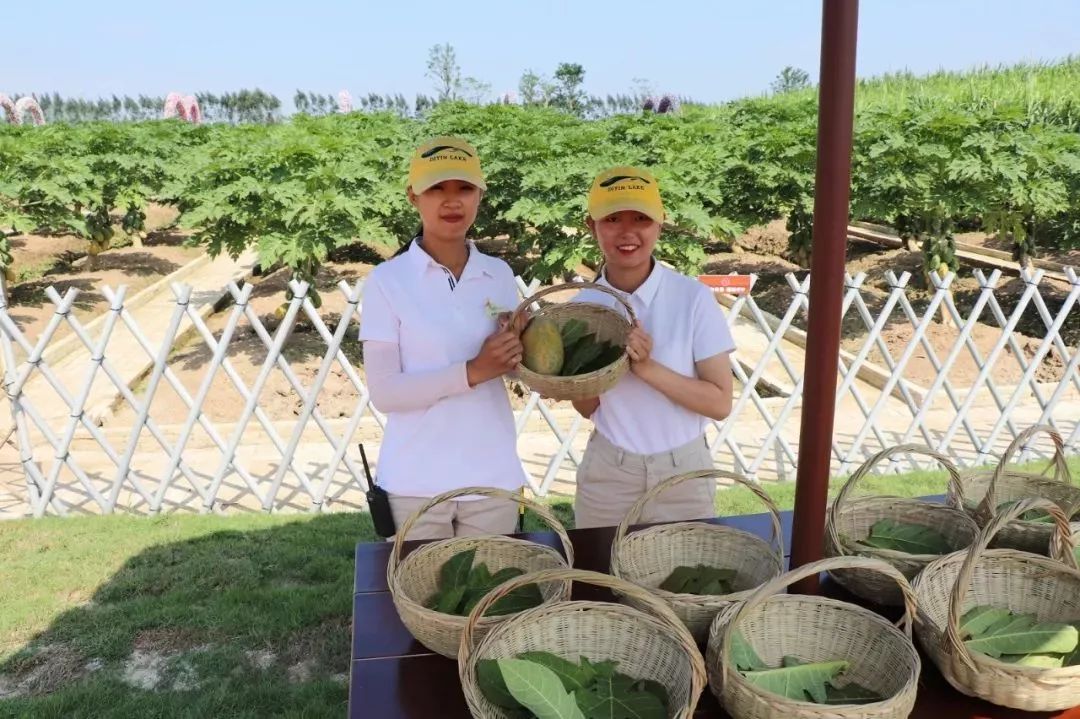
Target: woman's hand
{"x":639,"y":349}
{"x":501,"y":353}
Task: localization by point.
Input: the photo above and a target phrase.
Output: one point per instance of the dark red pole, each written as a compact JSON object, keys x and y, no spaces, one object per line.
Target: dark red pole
{"x":832,"y":190}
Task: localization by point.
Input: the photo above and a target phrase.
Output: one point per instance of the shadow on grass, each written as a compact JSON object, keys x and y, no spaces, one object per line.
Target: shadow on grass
{"x":227,"y":624}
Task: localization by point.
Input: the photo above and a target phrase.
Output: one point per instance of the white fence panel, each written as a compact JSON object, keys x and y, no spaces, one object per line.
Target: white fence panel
{"x":188,"y":460}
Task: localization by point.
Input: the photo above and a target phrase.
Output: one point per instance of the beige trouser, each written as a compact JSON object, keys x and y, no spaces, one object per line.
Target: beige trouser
{"x":610,"y":480}
{"x":455,"y":518}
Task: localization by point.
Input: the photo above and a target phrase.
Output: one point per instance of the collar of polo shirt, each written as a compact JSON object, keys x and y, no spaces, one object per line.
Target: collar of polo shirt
{"x":422,"y":261}
{"x":648,"y":288}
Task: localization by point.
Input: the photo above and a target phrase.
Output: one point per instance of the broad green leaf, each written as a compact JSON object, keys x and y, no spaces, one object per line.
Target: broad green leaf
{"x":538,"y":689}
{"x":1023,"y":634}
{"x":518,"y":600}
{"x":1073,"y":659}
{"x":479,"y":577}
{"x":905,"y":537}
{"x":678,"y":579}
{"x":572,"y":675}
{"x":455,"y":571}
{"x":977,"y":620}
{"x":572,"y":330}
{"x":799,"y":681}
{"x":851,"y":694}
{"x":656,"y":689}
{"x":492,"y":685}
{"x":743,"y":654}
{"x":1041,"y":661}
{"x":605,"y":668}
{"x":450,"y":600}
{"x":615,"y":698}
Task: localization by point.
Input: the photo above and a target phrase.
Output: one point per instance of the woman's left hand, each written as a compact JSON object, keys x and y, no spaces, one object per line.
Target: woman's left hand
{"x":639,"y":348}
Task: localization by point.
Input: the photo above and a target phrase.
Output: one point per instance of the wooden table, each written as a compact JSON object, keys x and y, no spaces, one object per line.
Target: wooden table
{"x":395,"y":677}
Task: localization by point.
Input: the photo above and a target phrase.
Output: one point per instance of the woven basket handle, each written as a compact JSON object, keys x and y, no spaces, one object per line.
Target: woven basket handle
{"x":521,"y":309}
{"x":809,"y":570}
{"x":639,"y":506}
{"x":1061,"y":469}
{"x":467,"y":653}
{"x":544,"y":512}
{"x":864,"y":469}
{"x":1060,"y":545}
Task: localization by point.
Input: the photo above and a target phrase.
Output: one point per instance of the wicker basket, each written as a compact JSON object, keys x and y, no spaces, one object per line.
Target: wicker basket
{"x":850,"y":519}
{"x":883,"y":658}
{"x":985,"y":491}
{"x":1006,"y":578}
{"x":606,"y":322}
{"x":416,"y":577}
{"x":653,"y":645}
{"x":646,"y":557}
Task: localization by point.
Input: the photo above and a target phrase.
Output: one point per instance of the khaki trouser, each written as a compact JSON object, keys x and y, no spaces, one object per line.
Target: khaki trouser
{"x":610,"y":480}
{"x":455,"y":518}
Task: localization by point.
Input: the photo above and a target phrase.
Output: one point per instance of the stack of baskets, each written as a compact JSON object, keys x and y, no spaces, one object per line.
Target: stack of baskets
{"x":651,"y":644}
{"x":646,"y":557}
{"x":1009,"y":579}
{"x":414,"y":578}
{"x":850,"y":519}
{"x":985,"y":493}
{"x":608,"y":324}
{"x":816,"y":629}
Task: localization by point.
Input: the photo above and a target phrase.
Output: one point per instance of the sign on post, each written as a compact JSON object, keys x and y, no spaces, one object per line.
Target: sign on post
{"x":727,"y":284}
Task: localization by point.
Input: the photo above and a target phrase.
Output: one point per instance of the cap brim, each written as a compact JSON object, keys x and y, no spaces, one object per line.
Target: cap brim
{"x":449,"y":174}
{"x":600,"y":213}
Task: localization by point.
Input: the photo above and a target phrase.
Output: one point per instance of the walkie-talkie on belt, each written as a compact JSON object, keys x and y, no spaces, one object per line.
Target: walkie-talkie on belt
{"x":378,"y":503}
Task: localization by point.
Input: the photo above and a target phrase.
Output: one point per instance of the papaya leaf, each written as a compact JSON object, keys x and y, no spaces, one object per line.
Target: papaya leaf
{"x":603,"y":669}
{"x":572,"y":676}
{"x":678,"y":579}
{"x":656,"y":689}
{"x":455,"y":571}
{"x":743,"y":654}
{"x":1073,"y":659}
{"x":851,"y":694}
{"x":906,"y":537}
{"x":614,"y":698}
{"x":1023,"y":634}
{"x":572,"y":330}
{"x":798,"y":681}
{"x":977,"y":620}
{"x":1041,"y":661}
{"x":492,"y":685}
{"x":479,"y":577}
{"x":538,"y":689}
{"x":518,"y":600}
{"x":450,"y":600}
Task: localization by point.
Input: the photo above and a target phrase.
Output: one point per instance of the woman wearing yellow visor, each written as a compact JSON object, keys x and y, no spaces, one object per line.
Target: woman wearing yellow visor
{"x":434,"y":356}
{"x":651,"y":425}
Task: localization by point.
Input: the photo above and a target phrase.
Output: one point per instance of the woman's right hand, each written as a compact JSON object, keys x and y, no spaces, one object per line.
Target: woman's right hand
{"x":501,"y":353}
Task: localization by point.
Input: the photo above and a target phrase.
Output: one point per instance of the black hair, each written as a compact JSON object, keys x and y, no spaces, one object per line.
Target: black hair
{"x":405,"y":247}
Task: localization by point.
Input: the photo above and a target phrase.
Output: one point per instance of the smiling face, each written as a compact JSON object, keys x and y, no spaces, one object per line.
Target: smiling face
{"x":626,"y":239}
{"x":447,"y":209}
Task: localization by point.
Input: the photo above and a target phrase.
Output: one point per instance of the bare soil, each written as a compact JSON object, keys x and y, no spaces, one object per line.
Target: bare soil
{"x":60,"y":261}
{"x":762,"y":251}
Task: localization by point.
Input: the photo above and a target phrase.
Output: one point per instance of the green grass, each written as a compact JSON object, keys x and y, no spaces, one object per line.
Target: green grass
{"x":202,"y":594}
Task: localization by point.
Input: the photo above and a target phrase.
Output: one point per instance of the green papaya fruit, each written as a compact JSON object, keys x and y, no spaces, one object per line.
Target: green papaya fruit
{"x":543,"y":346}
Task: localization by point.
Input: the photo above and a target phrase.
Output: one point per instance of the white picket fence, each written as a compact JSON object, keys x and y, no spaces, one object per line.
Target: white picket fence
{"x":67,"y":463}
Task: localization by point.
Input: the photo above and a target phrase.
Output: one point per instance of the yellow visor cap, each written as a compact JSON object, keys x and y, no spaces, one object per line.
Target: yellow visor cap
{"x":442,"y":159}
{"x":625,"y":188}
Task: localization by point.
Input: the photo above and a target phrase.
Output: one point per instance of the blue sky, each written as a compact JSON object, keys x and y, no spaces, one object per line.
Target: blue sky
{"x":708,"y":50}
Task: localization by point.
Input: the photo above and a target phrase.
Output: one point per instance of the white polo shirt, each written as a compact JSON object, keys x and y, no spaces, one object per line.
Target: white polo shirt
{"x":686,"y":325}
{"x":467,"y":438}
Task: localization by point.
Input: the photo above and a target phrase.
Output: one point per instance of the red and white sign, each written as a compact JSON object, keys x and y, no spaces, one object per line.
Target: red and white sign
{"x":727,"y":284}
